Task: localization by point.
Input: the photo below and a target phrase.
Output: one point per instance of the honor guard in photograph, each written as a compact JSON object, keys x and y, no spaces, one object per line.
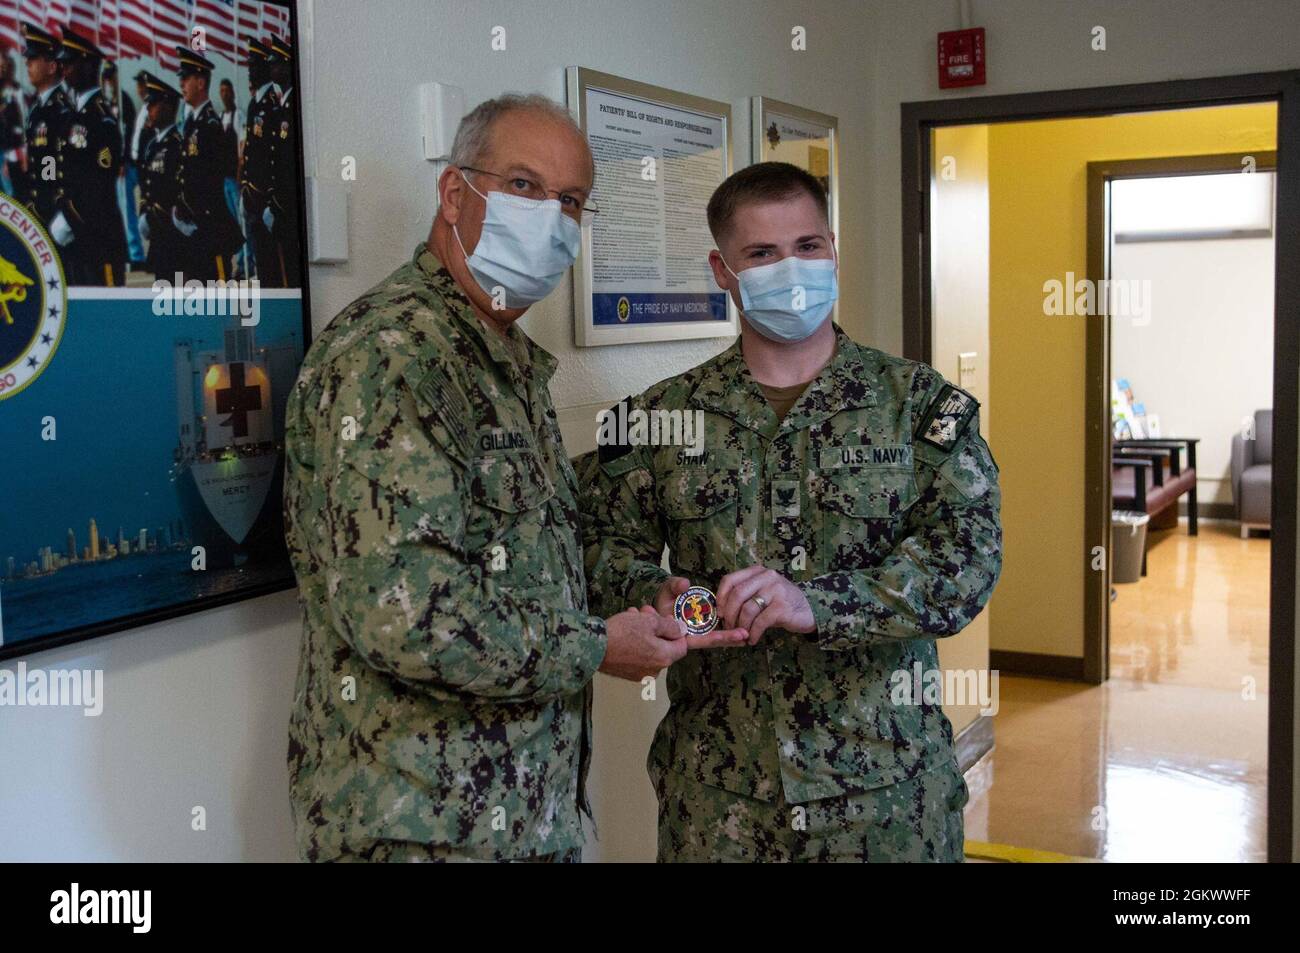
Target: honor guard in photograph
{"x":47,"y":121}
{"x":260,"y":138}
{"x":143,"y":130}
{"x":281,"y":216}
{"x":202,"y":216}
{"x":87,"y":224}
{"x":13,"y":129}
{"x":160,"y":164}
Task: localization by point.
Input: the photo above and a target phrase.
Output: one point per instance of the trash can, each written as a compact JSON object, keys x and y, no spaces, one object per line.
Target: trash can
{"x":1128,"y":541}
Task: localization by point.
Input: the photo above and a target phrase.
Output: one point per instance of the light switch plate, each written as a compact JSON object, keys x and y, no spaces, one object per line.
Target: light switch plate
{"x":327,"y":219}
{"x":966,"y":369}
{"x":441,"y":108}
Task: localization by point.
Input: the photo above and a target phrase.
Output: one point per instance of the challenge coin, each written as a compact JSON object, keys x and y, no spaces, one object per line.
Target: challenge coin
{"x":697,"y":608}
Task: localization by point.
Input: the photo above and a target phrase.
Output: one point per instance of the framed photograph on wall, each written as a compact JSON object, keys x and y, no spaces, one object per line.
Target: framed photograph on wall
{"x":643,"y":272}
{"x":782,"y":132}
{"x":153,"y":308}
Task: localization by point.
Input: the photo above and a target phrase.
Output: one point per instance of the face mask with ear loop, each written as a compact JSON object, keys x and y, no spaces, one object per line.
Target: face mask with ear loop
{"x":789,"y":299}
{"x":525,"y":247}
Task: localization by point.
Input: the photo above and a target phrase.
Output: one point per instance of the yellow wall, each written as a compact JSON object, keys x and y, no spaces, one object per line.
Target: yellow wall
{"x":1037,"y":232}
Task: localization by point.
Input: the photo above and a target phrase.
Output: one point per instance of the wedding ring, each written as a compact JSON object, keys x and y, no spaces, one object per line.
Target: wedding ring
{"x":762,"y":603}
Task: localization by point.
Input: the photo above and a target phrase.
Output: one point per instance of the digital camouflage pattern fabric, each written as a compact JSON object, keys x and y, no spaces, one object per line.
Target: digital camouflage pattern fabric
{"x":894,"y":541}
{"x":443,"y":693}
{"x":411,"y":852}
{"x":914,"y":821}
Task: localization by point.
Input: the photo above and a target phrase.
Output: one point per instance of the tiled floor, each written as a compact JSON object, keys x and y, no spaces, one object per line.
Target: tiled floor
{"x":1167,"y":760}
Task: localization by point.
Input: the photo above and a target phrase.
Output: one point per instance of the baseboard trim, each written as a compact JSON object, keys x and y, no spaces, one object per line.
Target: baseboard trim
{"x":1210,"y":511}
{"x":974,"y":742}
{"x":1037,"y":664}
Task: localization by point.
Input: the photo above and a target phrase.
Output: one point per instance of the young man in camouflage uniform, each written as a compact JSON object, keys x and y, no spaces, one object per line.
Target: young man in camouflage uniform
{"x":442,"y":709}
{"x":845,"y":511}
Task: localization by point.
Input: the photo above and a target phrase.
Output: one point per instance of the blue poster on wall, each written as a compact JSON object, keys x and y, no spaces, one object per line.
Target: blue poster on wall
{"x":152,"y":310}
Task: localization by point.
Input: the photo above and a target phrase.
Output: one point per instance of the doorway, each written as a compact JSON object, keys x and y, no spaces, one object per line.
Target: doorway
{"x":920,"y":122}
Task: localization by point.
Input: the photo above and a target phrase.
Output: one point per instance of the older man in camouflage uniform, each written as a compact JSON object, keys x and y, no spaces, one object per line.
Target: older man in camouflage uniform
{"x":845,"y":510}
{"x":442,"y":709}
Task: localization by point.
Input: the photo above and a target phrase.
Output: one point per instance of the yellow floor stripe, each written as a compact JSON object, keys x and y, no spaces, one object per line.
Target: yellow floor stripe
{"x":1021,"y":855}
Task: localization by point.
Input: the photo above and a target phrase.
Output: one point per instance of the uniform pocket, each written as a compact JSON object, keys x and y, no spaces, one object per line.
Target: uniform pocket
{"x":862,"y":514}
{"x":690,"y":494}
{"x":512,"y":482}
{"x":869,"y":494}
{"x":701,"y":507}
{"x":510,"y":528}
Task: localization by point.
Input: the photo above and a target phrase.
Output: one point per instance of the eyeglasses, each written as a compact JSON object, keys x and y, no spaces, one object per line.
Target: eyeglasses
{"x":574,"y":204}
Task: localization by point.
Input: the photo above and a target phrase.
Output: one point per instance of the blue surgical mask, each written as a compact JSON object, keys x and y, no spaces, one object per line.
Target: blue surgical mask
{"x":789,"y":299}
{"x":525,"y":247}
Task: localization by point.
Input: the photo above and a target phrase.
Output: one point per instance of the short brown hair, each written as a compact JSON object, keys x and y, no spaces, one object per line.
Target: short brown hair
{"x":761,"y":182}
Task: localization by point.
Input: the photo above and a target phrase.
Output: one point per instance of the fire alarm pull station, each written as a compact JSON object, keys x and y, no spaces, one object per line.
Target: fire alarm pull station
{"x":961,"y":58}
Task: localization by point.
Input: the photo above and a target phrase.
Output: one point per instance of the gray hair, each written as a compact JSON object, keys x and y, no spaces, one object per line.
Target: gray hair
{"x":475,"y":130}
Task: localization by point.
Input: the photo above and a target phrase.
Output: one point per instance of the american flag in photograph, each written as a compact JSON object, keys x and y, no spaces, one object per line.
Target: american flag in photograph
{"x":248,"y":26}
{"x":217,"y":19}
{"x":34,"y":11}
{"x":10,"y":32}
{"x":50,"y":15}
{"x":108,"y":28}
{"x":171,"y":28}
{"x":135,"y":26}
{"x":57,"y":14}
{"x":275,"y":20}
{"x":84,"y":17}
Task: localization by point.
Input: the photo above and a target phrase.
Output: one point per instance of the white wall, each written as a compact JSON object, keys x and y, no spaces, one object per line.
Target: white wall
{"x":1204,"y":360}
{"x":195,"y":715}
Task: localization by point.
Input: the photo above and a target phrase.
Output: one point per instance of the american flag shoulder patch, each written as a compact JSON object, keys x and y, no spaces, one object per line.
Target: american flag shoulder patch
{"x":442,"y":395}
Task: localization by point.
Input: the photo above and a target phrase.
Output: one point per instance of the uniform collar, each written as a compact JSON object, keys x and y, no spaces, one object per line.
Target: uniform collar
{"x":843,"y":384}
{"x":729,"y":389}
{"x":84,"y":97}
{"x":541,"y":363}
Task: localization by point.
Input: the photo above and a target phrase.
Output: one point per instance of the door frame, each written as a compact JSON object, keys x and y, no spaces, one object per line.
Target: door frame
{"x":919,"y":119}
{"x":1096,"y":637}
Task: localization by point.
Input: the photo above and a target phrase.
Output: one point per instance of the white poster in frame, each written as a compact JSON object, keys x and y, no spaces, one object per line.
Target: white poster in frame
{"x":643,"y":273}
{"x":782,"y":132}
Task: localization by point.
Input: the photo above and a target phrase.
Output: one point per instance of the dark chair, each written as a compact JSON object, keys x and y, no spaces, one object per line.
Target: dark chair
{"x":1252,"y":475}
{"x":1147,"y":475}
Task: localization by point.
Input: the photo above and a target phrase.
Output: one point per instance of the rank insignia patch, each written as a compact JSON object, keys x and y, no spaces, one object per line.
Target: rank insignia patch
{"x":697,"y":609}
{"x":947,"y":417}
